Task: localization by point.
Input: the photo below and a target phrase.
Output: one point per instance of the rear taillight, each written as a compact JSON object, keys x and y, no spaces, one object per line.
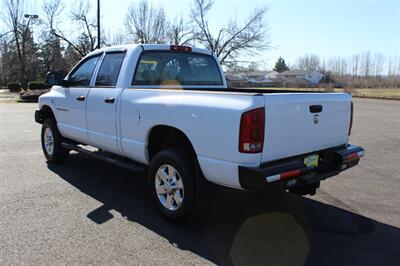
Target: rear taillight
{"x":251,"y":135}
{"x":351,"y":118}
{"x":355,"y":155}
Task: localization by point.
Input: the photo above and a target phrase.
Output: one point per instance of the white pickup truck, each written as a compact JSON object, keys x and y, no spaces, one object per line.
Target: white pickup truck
{"x":168,"y":110}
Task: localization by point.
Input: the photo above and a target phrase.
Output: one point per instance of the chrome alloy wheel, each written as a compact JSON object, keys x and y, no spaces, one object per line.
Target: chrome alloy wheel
{"x":48,"y":141}
{"x":169,"y":187}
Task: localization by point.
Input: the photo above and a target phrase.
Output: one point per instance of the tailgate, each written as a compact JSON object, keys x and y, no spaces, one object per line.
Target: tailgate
{"x":299,"y":123}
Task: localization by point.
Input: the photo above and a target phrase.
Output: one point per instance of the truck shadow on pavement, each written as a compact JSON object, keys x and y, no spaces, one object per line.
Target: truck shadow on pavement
{"x":242,"y":228}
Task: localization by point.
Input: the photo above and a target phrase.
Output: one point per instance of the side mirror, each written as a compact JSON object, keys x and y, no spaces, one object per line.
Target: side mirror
{"x":66,"y":83}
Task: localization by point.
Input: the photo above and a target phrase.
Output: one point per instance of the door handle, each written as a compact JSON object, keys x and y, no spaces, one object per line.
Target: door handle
{"x":80,"y":98}
{"x":109,"y":100}
{"x":315,"y":108}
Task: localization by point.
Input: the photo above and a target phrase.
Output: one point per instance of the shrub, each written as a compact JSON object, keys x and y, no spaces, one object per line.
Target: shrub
{"x":14,"y":86}
{"x":31,"y":96}
{"x":36,"y":85}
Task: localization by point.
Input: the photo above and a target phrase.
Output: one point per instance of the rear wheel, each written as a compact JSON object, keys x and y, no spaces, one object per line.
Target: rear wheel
{"x":51,"y":142}
{"x":171,"y":184}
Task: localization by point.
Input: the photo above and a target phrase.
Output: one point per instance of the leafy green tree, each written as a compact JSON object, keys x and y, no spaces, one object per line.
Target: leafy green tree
{"x":280,"y":65}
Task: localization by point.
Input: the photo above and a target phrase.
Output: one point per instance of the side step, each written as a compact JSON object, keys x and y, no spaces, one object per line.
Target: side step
{"x":108,"y":158}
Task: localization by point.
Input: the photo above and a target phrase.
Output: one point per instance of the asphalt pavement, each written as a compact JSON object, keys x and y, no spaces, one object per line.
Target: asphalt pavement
{"x":89,"y":213}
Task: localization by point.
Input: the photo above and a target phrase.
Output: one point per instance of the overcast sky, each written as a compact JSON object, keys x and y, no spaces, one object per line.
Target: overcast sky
{"x":322,"y":27}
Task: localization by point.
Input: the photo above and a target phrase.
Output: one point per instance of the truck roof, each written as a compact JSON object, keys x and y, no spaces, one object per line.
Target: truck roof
{"x":146,"y":47}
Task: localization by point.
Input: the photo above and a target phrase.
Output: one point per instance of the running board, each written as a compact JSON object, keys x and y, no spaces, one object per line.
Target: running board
{"x":107,"y":157}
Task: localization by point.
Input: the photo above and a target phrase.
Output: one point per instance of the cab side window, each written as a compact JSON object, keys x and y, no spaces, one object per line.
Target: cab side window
{"x":109,"y":70}
{"x":83,"y":73}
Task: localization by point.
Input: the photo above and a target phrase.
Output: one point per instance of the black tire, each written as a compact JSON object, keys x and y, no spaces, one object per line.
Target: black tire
{"x":180,"y":160}
{"x":271,"y":195}
{"x":59,"y":154}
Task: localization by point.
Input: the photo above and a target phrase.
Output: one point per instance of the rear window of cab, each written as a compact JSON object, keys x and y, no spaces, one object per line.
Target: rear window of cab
{"x":166,"y":68}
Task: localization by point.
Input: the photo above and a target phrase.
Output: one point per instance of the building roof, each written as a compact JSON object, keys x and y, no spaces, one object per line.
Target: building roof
{"x":296,"y":72}
{"x":234,"y":78}
{"x":257,"y":73}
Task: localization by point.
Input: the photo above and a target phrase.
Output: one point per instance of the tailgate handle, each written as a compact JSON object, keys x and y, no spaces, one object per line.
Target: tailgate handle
{"x":315,"y":108}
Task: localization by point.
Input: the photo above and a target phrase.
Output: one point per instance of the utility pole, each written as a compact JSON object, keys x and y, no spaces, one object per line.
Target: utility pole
{"x":30,"y":17}
{"x":98,"y":24}
{"x":24,"y":76}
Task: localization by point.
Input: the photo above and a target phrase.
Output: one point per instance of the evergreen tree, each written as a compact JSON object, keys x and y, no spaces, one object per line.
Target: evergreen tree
{"x":10,"y":70}
{"x":51,"y":58}
{"x":280,"y":65}
{"x":84,"y":44}
{"x":71,"y":56}
{"x":31,"y":52}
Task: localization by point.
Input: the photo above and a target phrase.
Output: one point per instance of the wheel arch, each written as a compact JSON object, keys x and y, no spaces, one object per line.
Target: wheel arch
{"x":44,"y":113}
{"x":165,"y":136}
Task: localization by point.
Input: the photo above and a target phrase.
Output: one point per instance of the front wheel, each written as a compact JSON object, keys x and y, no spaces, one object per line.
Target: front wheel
{"x":171,"y":184}
{"x":51,"y":142}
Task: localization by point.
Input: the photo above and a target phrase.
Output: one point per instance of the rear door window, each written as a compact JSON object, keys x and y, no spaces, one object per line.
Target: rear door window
{"x":109,"y":70}
{"x":165,"y":68}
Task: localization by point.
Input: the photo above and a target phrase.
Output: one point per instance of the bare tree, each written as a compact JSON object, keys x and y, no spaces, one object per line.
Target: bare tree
{"x":393,"y":67}
{"x":114,"y":37}
{"x":379,"y":61}
{"x":323,"y":65}
{"x":80,"y":15}
{"x":179,"y":33}
{"x":398,"y":67}
{"x":390,"y":67}
{"x":251,"y":37}
{"x":366,"y":63}
{"x":12,"y":15}
{"x":343,"y":67}
{"x":355,"y":63}
{"x":146,"y":24}
{"x":308,"y":62}
{"x":363,"y":70}
{"x":4,"y":60}
{"x":334,"y":65}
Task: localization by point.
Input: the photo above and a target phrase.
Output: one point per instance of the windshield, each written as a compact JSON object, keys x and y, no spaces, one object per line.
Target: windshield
{"x":166,"y":68}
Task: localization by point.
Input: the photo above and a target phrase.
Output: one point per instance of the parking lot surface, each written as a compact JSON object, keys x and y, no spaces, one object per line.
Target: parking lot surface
{"x":87,"y":212}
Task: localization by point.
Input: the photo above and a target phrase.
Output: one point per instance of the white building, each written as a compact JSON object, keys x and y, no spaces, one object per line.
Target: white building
{"x":235,"y":81}
{"x":260,"y":76}
{"x":312,"y":76}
